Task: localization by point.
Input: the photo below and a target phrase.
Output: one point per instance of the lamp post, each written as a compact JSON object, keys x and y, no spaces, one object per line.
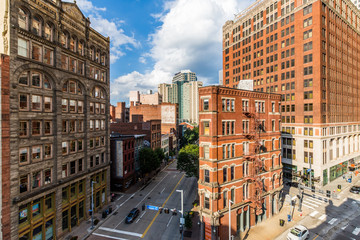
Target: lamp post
{"x":230,"y":202}
{"x":92,"y":204}
{"x":310,"y":172}
{"x":182,"y":212}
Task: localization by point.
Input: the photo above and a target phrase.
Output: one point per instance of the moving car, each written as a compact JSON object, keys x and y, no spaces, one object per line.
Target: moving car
{"x":132,"y":215}
{"x":355,"y":189}
{"x":298,"y":232}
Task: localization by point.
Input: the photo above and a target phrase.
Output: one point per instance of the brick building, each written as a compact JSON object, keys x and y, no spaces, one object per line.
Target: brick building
{"x":307,"y":51}
{"x":152,"y":130}
{"x":55,"y":134}
{"x":168,"y":113}
{"x":120,"y":113}
{"x":122,"y":157}
{"x":239,"y":139}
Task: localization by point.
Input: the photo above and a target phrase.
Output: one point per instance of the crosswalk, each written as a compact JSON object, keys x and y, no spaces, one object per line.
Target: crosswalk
{"x":313,"y":203}
{"x":333,"y":221}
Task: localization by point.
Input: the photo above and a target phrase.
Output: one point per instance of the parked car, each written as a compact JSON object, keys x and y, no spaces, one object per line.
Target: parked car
{"x":132,"y":215}
{"x":355,"y":189}
{"x":298,"y":232}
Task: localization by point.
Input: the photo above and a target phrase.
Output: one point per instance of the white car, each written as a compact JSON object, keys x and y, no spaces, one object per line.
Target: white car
{"x":298,"y":232}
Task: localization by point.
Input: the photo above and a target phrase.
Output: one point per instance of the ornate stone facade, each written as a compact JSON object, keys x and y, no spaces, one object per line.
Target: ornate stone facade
{"x":59,"y":119}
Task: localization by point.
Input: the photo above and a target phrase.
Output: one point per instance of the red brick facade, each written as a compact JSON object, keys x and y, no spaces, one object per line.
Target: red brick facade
{"x":5,"y":145}
{"x":227,"y":158}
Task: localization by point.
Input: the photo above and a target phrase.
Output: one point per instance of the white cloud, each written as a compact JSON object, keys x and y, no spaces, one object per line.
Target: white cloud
{"x":120,"y":41}
{"x":190,"y":37}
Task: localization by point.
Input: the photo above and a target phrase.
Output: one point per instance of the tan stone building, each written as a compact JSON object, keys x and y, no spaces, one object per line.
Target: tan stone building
{"x":307,"y":51}
{"x":58,"y":114}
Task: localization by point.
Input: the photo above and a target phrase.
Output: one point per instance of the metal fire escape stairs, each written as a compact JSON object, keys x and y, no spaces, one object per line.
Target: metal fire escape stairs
{"x":256,"y":127}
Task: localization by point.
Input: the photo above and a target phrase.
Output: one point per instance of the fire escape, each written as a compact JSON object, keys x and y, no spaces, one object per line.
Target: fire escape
{"x":257,"y":166}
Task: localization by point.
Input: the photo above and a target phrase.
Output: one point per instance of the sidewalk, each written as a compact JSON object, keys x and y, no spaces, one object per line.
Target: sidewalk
{"x":270,"y":228}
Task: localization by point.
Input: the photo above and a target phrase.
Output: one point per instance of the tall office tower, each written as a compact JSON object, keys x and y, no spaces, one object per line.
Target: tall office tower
{"x":56,"y":103}
{"x":190,"y":101}
{"x":307,"y":51}
{"x":169,"y":92}
{"x":180,"y":79}
{"x":239,"y":159}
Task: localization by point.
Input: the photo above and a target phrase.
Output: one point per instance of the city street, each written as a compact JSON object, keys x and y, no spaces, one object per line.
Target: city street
{"x":150,"y":224}
{"x":335,"y":219}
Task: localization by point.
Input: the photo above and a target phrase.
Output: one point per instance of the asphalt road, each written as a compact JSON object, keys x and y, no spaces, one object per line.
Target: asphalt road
{"x":334,"y":220}
{"x":150,"y":224}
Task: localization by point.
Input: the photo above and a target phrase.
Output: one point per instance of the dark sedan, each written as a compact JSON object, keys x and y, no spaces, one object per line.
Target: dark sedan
{"x":132,"y":215}
{"x":355,"y":189}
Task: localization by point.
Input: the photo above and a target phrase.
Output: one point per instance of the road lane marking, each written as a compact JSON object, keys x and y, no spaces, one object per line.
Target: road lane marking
{"x":315,"y":200}
{"x":308,"y":206}
{"x":310,"y":203}
{"x":332,"y":221}
{"x":127,"y":199}
{"x":107,"y":236}
{"x":343,"y":228}
{"x":121,"y":232}
{"x":322,"y":217}
{"x":169,"y":221}
{"x":140,"y":217}
{"x":151,"y":190}
{"x":314,"y":213}
{"x":162,"y":191}
{"x":157,"y":214}
{"x":315,"y":237}
{"x":356,"y":231}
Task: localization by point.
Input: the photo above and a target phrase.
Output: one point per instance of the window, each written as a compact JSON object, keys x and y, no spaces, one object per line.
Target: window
{"x":23,"y":129}
{"x":207,"y":202}
{"x":64,"y":104}
{"x":225,"y":174}
{"x":232,"y":173}
{"x":308,"y":95}
{"x":36,"y":52}
{"x":307,"y":34}
{"x":307,"y":22}
{"x":64,"y":171}
{"x":23,"y":19}
{"x":36,"y":128}
{"x":47,"y":127}
{"x":36,"y":26}
{"x":72,"y":106}
{"x":36,"y":179}
{"x":48,"y":32}
{"x":24,"y":183}
{"x":64,"y":147}
{"x":23,"y":155}
{"x":225,"y":201}
{"x":47,"y":151}
{"x":245,"y":191}
{"x":47,"y":177}
{"x":36,"y":153}
{"x":72,"y":167}
{"x":206,"y":104}
{"x":23,"y":47}
{"x":206,"y":128}
{"x":47,"y":104}
{"x":308,"y":46}
{"x":206,"y":175}
{"x":307,"y":9}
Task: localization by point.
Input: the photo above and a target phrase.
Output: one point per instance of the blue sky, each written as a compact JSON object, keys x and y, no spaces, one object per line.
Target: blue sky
{"x":151,"y":40}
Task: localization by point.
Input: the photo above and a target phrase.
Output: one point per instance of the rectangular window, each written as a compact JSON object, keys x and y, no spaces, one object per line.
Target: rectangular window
{"x":47,"y":127}
{"x":64,"y":62}
{"x":23,"y":129}
{"x":24,"y":184}
{"x":47,"y":150}
{"x":23,"y":47}
{"x":36,"y":179}
{"x":206,"y":152}
{"x":64,"y":105}
{"x":23,"y":155}
{"x":205,"y":104}
{"x":48,"y":56}
{"x":36,"y":52}
{"x":36,"y":103}
{"x":47,"y":176}
{"x":36,"y":153}
{"x":206,"y":175}
{"x":206,"y":128}
{"x":64,"y":147}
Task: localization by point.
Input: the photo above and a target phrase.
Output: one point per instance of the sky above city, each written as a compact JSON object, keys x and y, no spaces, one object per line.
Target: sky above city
{"x":151,"y":40}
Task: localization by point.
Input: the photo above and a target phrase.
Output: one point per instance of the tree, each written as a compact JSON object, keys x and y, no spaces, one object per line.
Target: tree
{"x":191,"y":136}
{"x":148,"y":160}
{"x":188,"y":160}
{"x":160,"y":154}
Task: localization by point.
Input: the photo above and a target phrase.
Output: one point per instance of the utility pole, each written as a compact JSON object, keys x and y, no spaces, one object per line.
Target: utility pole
{"x":230,"y":202}
{"x":182,"y":212}
{"x":92,"y":204}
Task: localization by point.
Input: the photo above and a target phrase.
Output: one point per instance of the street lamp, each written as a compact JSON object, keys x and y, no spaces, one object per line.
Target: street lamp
{"x":182,"y":212}
{"x":92,"y":204}
{"x":230,"y":202}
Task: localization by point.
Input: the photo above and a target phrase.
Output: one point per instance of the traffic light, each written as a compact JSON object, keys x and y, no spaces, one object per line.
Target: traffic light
{"x":160,"y":210}
{"x":166,"y":210}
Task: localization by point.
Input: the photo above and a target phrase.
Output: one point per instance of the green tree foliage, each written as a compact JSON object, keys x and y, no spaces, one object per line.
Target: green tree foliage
{"x":149,"y":160}
{"x":190,"y":136}
{"x":160,"y":154}
{"x":188,"y":160}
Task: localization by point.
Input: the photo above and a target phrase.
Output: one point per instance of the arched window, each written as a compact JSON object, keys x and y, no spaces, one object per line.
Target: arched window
{"x":245,"y":191}
{"x":92,"y":53}
{"x":273,"y":181}
{"x":73,"y":43}
{"x":72,"y":87}
{"x":263,"y":184}
{"x":64,"y":37}
{"x":23,"y":19}
{"x":81,"y":47}
{"x":48,"y":31}
{"x":97,"y":56}
{"x":272,"y":162}
{"x":35,"y":79}
{"x":103,"y":59}
{"x":36,"y":25}
{"x":273,"y":144}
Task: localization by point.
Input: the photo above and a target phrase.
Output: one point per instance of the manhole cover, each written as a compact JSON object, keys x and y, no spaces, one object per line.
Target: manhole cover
{"x":187,"y":234}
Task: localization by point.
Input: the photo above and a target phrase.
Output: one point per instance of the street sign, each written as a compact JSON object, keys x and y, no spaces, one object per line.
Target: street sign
{"x":152,"y":207}
{"x":182,"y":220}
{"x":308,"y":170}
